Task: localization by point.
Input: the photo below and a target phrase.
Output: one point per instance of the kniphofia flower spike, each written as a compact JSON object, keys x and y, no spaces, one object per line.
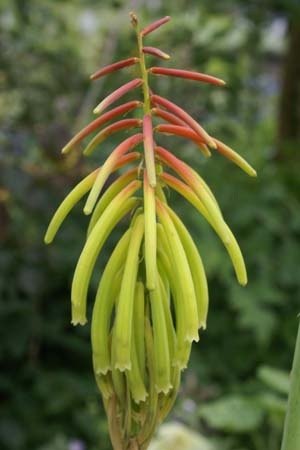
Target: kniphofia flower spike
{"x":152,"y":298}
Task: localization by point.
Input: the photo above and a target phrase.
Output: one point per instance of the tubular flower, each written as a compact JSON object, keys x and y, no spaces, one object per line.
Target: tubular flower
{"x":152,"y":299}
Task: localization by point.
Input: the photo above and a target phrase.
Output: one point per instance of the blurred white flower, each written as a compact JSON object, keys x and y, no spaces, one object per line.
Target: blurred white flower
{"x":176,"y":436}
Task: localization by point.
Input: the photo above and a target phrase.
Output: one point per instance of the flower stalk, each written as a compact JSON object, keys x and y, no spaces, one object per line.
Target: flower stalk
{"x":152,"y":299}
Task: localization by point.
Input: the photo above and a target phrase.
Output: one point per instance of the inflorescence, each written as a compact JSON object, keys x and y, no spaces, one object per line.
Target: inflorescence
{"x":152,"y":297}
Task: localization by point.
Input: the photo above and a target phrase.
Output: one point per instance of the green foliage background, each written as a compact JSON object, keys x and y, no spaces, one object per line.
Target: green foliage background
{"x":48,"y":49}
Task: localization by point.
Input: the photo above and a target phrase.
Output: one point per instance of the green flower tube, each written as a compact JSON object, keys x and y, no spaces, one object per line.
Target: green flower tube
{"x":106,"y":294}
{"x":161,"y":343}
{"x":124,"y":313}
{"x":183,"y":273}
{"x":196,"y":268}
{"x":120,"y":206}
{"x":110,"y":194}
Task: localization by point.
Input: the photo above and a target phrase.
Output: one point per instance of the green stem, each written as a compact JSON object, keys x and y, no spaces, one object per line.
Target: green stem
{"x":291,"y":432}
{"x":143,"y":70}
{"x":144,"y":73}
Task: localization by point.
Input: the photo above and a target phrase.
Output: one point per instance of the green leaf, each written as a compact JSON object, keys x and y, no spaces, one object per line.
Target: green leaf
{"x":273,"y":404}
{"x":233,"y":414}
{"x":274,"y":378}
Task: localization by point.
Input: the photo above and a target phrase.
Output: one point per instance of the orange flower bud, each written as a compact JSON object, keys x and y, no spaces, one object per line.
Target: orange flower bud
{"x":113,"y":67}
{"x":111,"y":129}
{"x":107,"y":168}
{"x":156,"y":52}
{"x":189,"y":75}
{"x":184,"y":132}
{"x":182,"y":114}
{"x":169,"y":117}
{"x":114,"y":96}
{"x":127,"y":159}
{"x":118,"y":111}
{"x":154,"y":25}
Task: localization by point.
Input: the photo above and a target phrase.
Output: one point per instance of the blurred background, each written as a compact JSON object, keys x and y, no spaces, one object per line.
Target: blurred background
{"x":233,"y":395}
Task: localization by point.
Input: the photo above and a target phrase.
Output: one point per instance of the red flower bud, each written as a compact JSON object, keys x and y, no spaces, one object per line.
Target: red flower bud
{"x":156,"y":52}
{"x":184,"y":132}
{"x":197,"y":76}
{"x":108,"y":167}
{"x":113,"y":67}
{"x":171,"y":118}
{"x":183,"y":170}
{"x":155,"y":25}
{"x":113,"y":128}
{"x":199,"y":187}
{"x":118,"y":111}
{"x":127,"y":159}
{"x":114,"y":96}
{"x":182,"y":114}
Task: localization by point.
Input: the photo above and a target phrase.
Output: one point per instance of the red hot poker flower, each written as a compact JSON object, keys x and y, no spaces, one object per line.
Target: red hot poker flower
{"x":169,"y":117}
{"x":199,"y":186}
{"x":235,"y":158}
{"x":232,"y":247}
{"x":78,"y":192}
{"x":184,"y":132}
{"x":127,"y":159}
{"x":118,"y":111}
{"x":174,"y":120}
{"x":111,"y":129}
{"x":113,"y":67}
{"x":118,"y":208}
{"x":107,"y":168}
{"x":153,"y":26}
{"x":114,"y":96}
{"x":182,"y":114}
{"x":189,"y":75}
{"x":156,"y":52}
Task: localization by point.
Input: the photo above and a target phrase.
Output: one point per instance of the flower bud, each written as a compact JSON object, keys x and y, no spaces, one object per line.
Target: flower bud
{"x":107,"y":167}
{"x":187,"y":74}
{"x":185,"y":117}
{"x":118,"y":93}
{"x":153,"y":26}
{"x":184,"y":131}
{"x":118,"y":111}
{"x":113,"y":67}
{"x":156,"y":52}
{"x":111,"y":129}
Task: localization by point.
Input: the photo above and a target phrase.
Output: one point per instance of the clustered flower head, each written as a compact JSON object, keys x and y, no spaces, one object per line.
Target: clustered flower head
{"x":152,"y":297}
